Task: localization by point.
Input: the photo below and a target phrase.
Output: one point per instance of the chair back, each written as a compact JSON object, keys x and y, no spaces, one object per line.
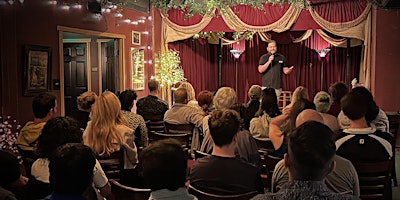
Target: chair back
{"x":154,"y":123}
{"x":178,"y":128}
{"x":122,"y":192}
{"x":269,"y":162}
{"x":374,"y":179}
{"x":264,"y":145}
{"x":207,"y":196}
{"x":113,"y":165}
{"x":183,"y":138}
{"x":199,"y":154}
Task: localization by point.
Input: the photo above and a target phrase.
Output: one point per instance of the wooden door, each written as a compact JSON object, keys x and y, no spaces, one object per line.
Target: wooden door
{"x":75,"y":77}
{"x":110,"y":70}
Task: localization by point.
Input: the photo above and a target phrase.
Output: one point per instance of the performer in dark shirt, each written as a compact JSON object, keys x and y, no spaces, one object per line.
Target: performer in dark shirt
{"x":271,"y":66}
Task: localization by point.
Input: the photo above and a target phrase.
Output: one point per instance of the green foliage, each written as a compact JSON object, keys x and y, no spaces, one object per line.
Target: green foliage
{"x":170,"y":70}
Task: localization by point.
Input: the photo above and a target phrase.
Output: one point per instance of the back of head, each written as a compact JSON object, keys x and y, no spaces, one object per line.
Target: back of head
{"x":322,"y":101}
{"x":224,"y":124}
{"x":308,"y":115}
{"x":71,"y":169}
{"x":42,"y":104}
{"x":191,"y":94}
{"x":373,"y":109}
{"x":106,"y":109}
{"x":55,"y":133}
{"x":205,"y":97}
{"x":338,"y":90}
{"x":10,"y":169}
{"x":225,"y":98}
{"x":180,"y":95}
{"x":163,"y":165}
{"x":297,"y":108}
{"x":269,"y":103}
{"x":354,"y":105}
{"x":299,"y":93}
{"x":255,"y":92}
{"x":311,"y":149}
{"x":126,"y":98}
{"x":86,"y":100}
{"x":153,"y":85}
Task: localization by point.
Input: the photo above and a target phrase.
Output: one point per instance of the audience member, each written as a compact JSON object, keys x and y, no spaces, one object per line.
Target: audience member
{"x":135,"y":121}
{"x":337,"y":91}
{"x":300,"y":93}
{"x":84,"y":103}
{"x":343,"y":178}
{"x":44,"y":108}
{"x":322,"y":102}
{"x":191,"y":95}
{"x":71,"y":171}
{"x":246,"y":146}
{"x":11,"y":180}
{"x":253,"y":105}
{"x":181,"y":113}
{"x":164,"y":165}
{"x":151,"y":105}
{"x":57,"y":132}
{"x":374,"y":116}
{"x":222,"y":172}
{"x":309,"y":160}
{"x":288,"y":119}
{"x":204,"y":99}
{"x":259,"y":126}
{"x":361,"y":142}
{"x":107,"y":131}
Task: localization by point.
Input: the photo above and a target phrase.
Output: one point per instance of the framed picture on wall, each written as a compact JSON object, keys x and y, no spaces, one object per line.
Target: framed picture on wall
{"x":37,"y":69}
{"x":137,"y":68}
{"x":136,"y":38}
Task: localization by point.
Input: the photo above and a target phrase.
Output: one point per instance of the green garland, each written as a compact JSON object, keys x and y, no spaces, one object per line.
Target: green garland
{"x":204,"y":6}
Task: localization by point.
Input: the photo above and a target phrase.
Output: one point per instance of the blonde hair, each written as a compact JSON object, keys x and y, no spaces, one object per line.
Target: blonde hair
{"x":299,"y":93}
{"x":322,"y":101}
{"x":224,"y":98}
{"x":102,"y":131}
{"x":191,"y":95}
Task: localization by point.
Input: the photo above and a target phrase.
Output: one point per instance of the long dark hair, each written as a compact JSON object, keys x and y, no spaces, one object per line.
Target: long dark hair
{"x":269,"y":103}
{"x":373,"y":109}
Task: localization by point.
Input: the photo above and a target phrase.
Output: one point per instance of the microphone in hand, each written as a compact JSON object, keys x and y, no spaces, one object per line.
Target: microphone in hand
{"x":271,"y":58}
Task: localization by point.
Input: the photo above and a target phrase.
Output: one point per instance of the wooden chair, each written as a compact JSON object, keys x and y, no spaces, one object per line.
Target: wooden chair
{"x":265,"y":146}
{"x":113,"y":165}
{"x":207,"y":196}
{"x":154,"y":123}
{"x":122,"y":192}
{"x":199,"y":154}
{"x":269,"y":162}
{"x":374,"y":179}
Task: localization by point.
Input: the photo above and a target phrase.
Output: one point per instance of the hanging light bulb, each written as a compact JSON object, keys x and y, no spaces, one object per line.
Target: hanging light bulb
{"x":11,"y":2}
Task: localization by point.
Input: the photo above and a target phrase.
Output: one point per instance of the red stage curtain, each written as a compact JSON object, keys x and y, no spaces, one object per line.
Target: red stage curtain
{"x":200,"y":63}
{"x":337,"y":12}
{"x":257,"y":17}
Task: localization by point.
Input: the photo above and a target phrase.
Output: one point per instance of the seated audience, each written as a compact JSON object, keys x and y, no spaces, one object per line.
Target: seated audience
{"x":259,"y":125}
{"x":288,"y":119}
{"x":84,"y":103}
{"x":322,"y":102}
{"x":253,"y":105}
{"x":337,"y":91}
{"x":246,"y":146}
{"x":309,"y":160}
{"x":204,"y":99}
{"x":71,"y":168}
{"x":222,"y":172}
{"x":57,"y":132}
{"x":164,"y":165}
{"x":135,"y":121}
{"x":107,"y":131}
{"x":374,"y":116}
{"x":11,"y":179}
{"x":181,"y":113}
{"x":343,"y":178}
{"x":44,"y":108}
{"x":361,"y":142}
{"x":191,"y":95}
{"x":300,"y":93}
{"x":151,"y":105}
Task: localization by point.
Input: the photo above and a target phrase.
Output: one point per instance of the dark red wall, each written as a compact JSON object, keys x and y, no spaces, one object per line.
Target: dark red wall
{"x":35,"y":22}
{"x":385,"y":59}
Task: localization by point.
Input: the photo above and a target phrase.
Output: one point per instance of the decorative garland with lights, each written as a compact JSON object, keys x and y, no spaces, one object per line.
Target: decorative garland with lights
{"x":204,"y":6}
{"x":170,"y":70}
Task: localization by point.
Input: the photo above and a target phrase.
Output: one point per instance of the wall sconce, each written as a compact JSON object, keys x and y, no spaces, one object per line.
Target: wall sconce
{"x":322,"y":52}
{"x":236,"y":53}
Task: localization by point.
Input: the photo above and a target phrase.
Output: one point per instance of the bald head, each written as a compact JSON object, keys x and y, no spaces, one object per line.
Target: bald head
{"x":308,"y":115}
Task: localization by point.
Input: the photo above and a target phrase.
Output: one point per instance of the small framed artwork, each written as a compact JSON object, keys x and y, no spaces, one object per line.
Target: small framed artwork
{"x":136,"y":38}
{"x":37,"y":69}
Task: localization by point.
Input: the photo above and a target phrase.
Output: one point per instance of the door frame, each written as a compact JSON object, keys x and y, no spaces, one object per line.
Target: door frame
{"x":121,"y":57}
